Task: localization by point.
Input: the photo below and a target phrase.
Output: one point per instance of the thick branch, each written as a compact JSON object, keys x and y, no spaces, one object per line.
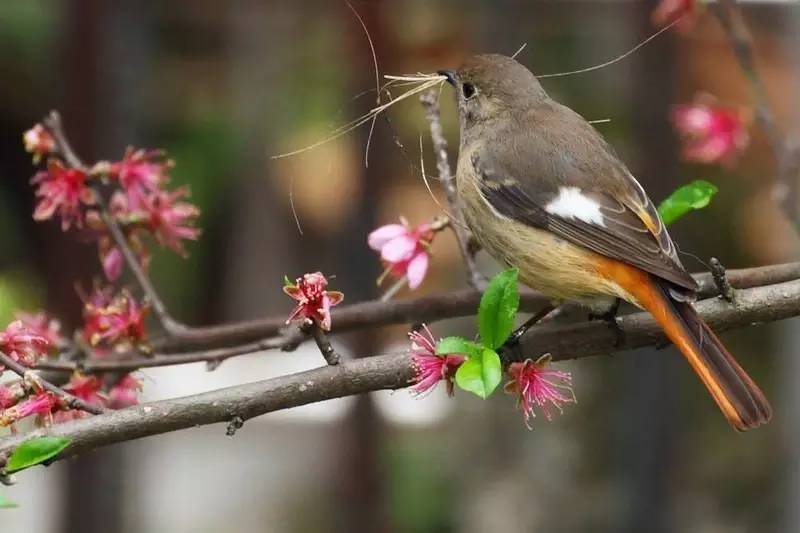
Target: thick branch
{"x":753,"y":306}
{"x":244,"y":401}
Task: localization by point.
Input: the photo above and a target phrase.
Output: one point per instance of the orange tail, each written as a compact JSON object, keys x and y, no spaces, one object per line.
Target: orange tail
{"x":739,"y":398}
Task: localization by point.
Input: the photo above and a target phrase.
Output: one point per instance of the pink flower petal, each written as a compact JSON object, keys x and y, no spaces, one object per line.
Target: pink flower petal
{"x":378,"y":238}
{"x":417,"y":268}
{"x":293,"y":291}
{"x":324,"y":313}
{"x":693,"y":119}
{"x":399,"y":249}
{"x":113,"y":262}
{"x":297,"y":311}
{"x":335,"y":297}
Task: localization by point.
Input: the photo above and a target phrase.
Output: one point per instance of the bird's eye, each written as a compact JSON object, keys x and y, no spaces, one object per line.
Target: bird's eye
{"x":469,"y":90}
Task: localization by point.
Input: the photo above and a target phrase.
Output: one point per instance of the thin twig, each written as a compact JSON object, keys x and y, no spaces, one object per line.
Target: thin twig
{"x":212,"y":357}
{"x":721,"y":280}
{"x":171,"y":326}
{"x":69,"y":400}
{"x":430,"y":102}
{"x":310,"y":327}
{"x":787,"y":157}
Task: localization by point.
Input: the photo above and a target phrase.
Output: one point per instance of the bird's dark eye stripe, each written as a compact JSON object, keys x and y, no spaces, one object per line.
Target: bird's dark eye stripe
{"x":468,"y":89}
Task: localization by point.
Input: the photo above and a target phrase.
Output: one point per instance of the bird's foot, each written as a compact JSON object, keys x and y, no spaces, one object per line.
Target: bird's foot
{"x":610,"y":318}
{"x":513,"y":340}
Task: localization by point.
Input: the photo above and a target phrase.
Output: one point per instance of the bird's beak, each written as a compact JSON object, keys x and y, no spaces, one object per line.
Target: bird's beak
{"x":449,"y":74}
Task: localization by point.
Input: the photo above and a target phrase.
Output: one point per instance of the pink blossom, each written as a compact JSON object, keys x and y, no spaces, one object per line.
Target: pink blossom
{"x":711,"y":133}
{"x":428,"y":366}
{"x":87,"y":388}
{"x":125,"y":393}
{"x":668,"y":11}
{"x":111,"y":259}
{"x":42,"y":404}
{"x":170,"y":219}
{"x":39,"y":142}
{"x":22,"y":344}
{"x":141,"y":173}
{"x":404,"y":250}
{"x":313,"y":301}
{"x":42,"y":325}
{"x":61,"y":190}
{"x":117,"y":320}
{"x":132,"y":223}
{"x":10,"y":395}
{"x":99,"y":297}
{"x":124,"y":213}
{"x":535,"y":385}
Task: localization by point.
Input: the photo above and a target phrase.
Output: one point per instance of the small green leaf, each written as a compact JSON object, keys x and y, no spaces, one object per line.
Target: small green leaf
{"x":458,"y":345}
{"x":480,"y":375}
{"x":498,"y":308}
{"x":695,"y":195}
{"x":287,"y":282}
{"x":35,"y":451}
{"x":6,"y":504}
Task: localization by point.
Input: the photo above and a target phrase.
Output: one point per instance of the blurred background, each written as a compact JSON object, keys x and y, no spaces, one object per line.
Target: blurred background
{"x":224,"y":85}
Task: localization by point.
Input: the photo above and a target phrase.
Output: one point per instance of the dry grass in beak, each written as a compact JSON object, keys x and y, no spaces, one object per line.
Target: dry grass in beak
{"x":422,"y":82}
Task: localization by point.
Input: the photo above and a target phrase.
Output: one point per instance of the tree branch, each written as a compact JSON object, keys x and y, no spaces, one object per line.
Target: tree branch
{"x":27,"y":374}
{"x":720,"y":277}
{"x":246,"y":338}
{"x":357,"y":376}
{"x":430,"y":101}
{"x":310,"y":327}
{"x":213,"y":357}
{"x":786,"y":156}
{"x":753,"y":306}
{"x":431,"y":308}
{"x":171,"y":326}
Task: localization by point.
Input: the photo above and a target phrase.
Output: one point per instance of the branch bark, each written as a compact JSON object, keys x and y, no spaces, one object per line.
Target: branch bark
{"x":217,"y":343}
{"x":752,"y":306}
{"x":430,"y":101}
{"x":431,"y":308}
{"x":73,"y":402}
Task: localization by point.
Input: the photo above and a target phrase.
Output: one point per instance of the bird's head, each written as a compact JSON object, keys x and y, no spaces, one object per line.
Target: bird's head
{"x":492,"y":86}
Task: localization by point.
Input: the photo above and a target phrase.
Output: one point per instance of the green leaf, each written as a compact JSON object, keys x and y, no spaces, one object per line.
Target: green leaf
{"x":498,"y":308}
{"x":35,"y":451}
{"x":287,"y":282}
{"x":6,"y":504}
{"x":480,"y":375}
{"x":458,"y":345}
{"x":695,"y":195}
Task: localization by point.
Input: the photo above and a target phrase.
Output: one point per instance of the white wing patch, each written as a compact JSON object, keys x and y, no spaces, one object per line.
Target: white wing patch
{"x":571,"y":203}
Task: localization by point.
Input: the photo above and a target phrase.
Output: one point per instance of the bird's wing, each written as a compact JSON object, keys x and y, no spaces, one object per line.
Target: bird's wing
{"x":618,"y":222}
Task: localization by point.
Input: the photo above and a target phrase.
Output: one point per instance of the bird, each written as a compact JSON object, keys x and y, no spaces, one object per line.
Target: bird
{"x":541,"y":190}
